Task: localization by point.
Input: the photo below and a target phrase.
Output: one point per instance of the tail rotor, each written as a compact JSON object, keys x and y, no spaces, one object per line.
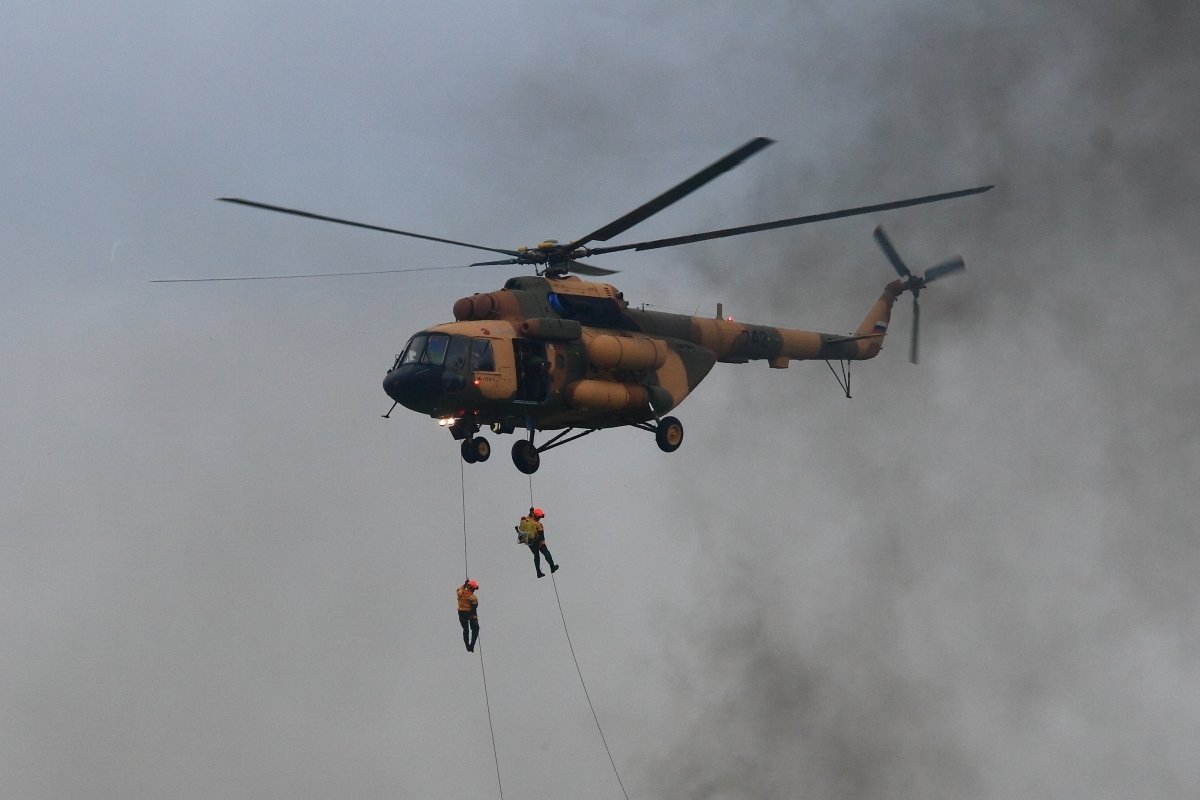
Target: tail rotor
{"x":915,"y":283}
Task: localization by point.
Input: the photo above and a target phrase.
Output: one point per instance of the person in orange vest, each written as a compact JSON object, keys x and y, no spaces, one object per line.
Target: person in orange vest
{"x":535,"y":537}
{"x":468,"y":613}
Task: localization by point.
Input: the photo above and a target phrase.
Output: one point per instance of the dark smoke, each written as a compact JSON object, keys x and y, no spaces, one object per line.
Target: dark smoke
{"x":998,"y":601}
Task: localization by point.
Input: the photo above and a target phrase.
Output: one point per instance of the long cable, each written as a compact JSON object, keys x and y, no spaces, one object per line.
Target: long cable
{"x":479,"y":642}
{"x":462,"y":480}
{"x":578,"y":671}
{"x":488,"y":703}
{"x":585,"y":689}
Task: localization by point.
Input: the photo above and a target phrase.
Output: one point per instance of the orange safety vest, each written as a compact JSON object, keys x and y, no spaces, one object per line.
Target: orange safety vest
{"x":467,"y":601}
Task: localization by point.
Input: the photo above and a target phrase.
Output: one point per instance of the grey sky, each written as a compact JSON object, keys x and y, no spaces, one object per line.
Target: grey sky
{"x":223,"y":575}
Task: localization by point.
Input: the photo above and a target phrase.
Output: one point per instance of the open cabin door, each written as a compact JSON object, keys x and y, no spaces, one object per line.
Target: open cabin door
{"x":533,"y":370}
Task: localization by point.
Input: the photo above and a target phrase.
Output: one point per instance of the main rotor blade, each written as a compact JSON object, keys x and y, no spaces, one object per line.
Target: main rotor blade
{"x":313,"y":274}
{"x":670,"y":196}
{"x":323,"y":218}
{"x":578,"y":267}
{"x":888,"y":250}
{"x":947,"y":267}
{"x":784,"y":223}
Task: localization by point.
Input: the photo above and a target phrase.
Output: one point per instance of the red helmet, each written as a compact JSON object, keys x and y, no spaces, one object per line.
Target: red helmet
{"x":538,"y":513}
{"x":473,"y":584}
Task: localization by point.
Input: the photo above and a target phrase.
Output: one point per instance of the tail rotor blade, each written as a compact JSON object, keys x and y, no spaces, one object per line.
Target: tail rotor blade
{"x":916,"y":327}
{"x":886,"y":245}
{"x":948,"y":267}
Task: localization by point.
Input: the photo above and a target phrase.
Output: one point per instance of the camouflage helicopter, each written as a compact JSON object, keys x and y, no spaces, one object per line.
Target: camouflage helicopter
{"x":553,"y":352}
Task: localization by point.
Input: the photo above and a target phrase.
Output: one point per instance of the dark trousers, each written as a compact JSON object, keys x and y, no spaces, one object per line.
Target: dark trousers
{"x":537,"y":550}
{"x":468,"y":619}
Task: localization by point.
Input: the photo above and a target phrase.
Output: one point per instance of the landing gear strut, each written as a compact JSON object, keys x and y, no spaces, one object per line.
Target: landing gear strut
{"x":668,"y":432}
{"x":527,"y":456}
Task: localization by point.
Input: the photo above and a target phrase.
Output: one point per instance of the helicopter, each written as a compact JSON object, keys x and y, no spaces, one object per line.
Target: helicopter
{"x":552,"y":352}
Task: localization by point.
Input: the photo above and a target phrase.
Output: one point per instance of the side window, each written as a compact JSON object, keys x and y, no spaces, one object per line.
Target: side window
{"x":456,"y":355}
{"x":481,"y":356}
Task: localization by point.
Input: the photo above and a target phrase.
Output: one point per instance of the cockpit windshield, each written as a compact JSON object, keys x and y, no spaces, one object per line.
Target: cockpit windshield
{"x":425,"y":348}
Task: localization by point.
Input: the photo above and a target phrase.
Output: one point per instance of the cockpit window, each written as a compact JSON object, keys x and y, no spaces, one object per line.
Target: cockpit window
{"x":425,"y":348}
{"x":481,"y":355}
{"x":416,"y":346}
{"x":435,"y":349}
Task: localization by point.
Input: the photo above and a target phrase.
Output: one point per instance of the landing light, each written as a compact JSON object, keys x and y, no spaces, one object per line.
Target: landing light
{"x":444,"y":421}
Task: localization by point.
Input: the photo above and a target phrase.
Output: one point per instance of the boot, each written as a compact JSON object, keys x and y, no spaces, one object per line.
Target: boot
{"x":554,"y":567}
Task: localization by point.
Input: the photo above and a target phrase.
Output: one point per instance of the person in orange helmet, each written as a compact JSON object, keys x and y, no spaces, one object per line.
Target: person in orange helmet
{"x":535,"y":537}
{"x":468,"y":613}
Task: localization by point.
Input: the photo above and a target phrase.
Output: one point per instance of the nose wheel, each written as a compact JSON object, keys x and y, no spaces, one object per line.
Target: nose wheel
{"x":475,"y":449}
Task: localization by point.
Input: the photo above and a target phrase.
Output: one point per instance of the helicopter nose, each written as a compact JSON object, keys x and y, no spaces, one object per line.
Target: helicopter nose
{"x":408,"y":384}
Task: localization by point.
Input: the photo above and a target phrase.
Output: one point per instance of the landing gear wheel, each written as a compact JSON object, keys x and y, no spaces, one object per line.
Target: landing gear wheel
{"x":475,"y":449}
{"x":526,"y":456}
{"x":669,"y":434}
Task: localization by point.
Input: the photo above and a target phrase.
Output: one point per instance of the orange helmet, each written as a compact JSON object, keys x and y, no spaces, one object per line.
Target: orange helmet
{"x":473,"y":584}
{"x":538,"y":513}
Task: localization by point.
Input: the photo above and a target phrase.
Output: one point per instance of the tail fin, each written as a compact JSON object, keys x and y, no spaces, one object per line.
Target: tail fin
{"x":871,"y":332}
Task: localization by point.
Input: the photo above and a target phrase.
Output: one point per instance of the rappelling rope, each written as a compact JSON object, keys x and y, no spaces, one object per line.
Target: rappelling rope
{"x":585,"y":689}
{"x":488,"y":703}
{"x":578,"y":671}
{"x":479,"y":642}
{"x":462,"y":480}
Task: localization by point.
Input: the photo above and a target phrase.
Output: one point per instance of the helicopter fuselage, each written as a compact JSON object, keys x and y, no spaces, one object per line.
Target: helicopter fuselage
{"x":548,"y":353}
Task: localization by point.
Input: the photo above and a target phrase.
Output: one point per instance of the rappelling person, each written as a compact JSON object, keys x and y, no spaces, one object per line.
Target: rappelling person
{"x":530,"y":527}
{"x":468,"y":613}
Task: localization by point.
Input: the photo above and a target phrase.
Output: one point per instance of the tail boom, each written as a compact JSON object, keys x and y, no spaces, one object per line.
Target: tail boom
{"x":737,"y":342}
